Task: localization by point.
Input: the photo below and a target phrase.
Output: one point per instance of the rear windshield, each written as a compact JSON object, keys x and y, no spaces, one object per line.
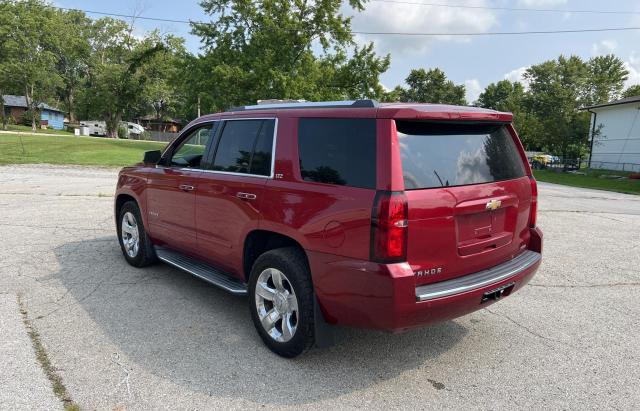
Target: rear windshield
{"x":455,"y":154}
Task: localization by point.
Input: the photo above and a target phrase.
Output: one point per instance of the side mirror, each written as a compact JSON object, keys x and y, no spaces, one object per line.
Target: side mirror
{"x":152,"y":157}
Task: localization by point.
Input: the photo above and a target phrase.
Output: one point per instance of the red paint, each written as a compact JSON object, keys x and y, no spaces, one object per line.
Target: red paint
{"x":448,"y":227}
{"x":223,"y":220}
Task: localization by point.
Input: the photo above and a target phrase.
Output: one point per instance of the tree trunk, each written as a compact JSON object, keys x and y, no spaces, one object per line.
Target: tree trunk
{"x":70,"y":106}
{"x":28,"y":95}
{"x":112,"y":122}
{"x":4,"y":116}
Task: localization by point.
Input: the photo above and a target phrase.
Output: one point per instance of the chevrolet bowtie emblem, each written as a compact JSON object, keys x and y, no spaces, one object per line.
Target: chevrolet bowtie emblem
{"x":494,"y":205}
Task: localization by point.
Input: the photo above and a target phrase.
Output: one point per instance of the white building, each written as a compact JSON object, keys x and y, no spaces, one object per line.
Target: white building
{"x":617,"y":144}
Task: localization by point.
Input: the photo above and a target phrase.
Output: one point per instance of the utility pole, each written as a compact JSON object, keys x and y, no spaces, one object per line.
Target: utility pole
{"x":198,"y":106}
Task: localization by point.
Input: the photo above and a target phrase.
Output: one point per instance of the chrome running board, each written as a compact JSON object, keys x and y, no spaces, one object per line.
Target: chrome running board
{"x":201,"y":270}
{"x":478,"y":280}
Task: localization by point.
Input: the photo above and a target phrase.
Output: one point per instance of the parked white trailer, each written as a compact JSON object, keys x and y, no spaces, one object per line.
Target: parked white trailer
{"x":133,"y":130}
{"x":99,"y":128}
{"x":96,"y":128}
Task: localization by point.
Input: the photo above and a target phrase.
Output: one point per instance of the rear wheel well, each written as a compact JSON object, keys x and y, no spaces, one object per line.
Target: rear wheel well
{"x":260,"y":241}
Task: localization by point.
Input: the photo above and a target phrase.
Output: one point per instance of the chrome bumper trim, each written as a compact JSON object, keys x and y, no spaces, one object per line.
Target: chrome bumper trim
{"x":480,"y":279}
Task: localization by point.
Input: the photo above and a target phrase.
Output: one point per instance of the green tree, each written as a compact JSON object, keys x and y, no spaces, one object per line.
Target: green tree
{"x":606,"y":77}
{"x":281,"y":49}
{"x":557,"y":90}
{"x":511,"y":97}
{"x":163,"y":72}
{"x":502,"y":96}
{"x":432,"y":86}
{"x":73,"y":54}
{"x":632,"y":91}
{"x":29,"y":31}
{"x":116,"y":83}
{"x":5,"y":27}
{"x":359,"y":76}
{"x":394,"y":95}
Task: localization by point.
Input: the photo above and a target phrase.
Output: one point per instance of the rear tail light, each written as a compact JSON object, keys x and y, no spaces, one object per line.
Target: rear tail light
{"x":389,"y":227}
{"x":533,"y":210}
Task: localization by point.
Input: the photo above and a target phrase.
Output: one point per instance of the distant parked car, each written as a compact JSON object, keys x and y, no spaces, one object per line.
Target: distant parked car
{"x":383,"y":216}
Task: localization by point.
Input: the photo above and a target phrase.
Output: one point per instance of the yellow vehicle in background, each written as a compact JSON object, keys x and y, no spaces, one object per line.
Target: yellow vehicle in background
{"x":540,"y":161}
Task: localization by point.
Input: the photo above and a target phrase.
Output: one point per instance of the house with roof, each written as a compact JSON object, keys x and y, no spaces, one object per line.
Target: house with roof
{"x":615,"y":135}
{"x":165,"y":125}
{"x":16,"y":106}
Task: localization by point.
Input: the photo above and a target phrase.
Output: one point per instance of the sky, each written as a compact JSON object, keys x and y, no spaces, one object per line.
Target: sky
{"x":474,"y":61}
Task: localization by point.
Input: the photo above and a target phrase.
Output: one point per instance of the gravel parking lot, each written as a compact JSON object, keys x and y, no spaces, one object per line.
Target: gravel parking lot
{"x":126,"y":338}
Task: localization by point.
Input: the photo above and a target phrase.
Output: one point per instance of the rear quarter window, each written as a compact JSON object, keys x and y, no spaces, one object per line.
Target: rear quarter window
{"x":456,"y":154}
{"x":338,"y":151}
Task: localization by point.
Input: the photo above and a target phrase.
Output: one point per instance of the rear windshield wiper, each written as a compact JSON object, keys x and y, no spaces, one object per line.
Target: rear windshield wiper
{"x":439,"y":179}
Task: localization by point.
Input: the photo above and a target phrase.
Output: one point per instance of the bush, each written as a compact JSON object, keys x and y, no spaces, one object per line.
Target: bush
{"x":26,"y":118}
{"x":8,"y":120}
{"x":122,"y":132}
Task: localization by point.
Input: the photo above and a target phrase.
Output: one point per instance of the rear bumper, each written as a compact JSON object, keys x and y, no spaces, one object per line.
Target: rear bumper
{"x":385,"y":296}
{"x":479,"y":280}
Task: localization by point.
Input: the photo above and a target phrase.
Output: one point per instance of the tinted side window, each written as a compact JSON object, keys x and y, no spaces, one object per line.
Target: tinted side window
{"x":236,"y":146}
{"x":261,"y":160}
{"x":338,"y":151}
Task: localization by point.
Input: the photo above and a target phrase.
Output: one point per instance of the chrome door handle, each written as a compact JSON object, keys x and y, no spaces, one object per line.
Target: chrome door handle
{"x":185,"y":187}
{"x":246,"y":196}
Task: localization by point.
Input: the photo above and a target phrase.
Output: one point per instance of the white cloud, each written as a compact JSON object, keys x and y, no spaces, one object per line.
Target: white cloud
{"x":541,"y":3}
{"x":517,"y":75}
{"x":473,"y":89}
{"x":603,"y":47}
{"x":633,"y":65}
{"x":399,"y":17}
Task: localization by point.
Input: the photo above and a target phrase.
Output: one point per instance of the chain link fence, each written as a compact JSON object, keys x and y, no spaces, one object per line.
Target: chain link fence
{"x":606,"y":165}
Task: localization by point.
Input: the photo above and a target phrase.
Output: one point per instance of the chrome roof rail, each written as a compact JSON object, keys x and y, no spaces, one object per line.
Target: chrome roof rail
{"x":310,"y":104}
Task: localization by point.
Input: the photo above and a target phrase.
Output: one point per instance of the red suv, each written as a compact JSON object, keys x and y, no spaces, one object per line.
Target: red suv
{"x":384,"y":216}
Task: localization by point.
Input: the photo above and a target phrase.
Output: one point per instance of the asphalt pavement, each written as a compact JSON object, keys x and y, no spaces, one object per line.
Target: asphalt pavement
{"x":156,"y":338}
{"x":22,"y":379}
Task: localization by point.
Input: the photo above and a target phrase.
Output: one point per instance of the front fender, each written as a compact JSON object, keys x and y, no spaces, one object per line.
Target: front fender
{"x":132,"y":184}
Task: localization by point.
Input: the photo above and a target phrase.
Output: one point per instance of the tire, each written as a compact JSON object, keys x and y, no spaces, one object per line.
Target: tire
{"x":142,"y":254}
{"x":272,"y":307}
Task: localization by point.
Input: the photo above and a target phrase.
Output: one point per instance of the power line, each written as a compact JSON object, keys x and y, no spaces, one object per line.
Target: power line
{"x":101,"y":13}
{"x":522,"y":9}
{"x":385,"y":33}
{"x":499,"y":33}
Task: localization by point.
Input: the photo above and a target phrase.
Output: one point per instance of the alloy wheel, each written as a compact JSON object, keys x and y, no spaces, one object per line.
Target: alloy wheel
{"x":276,"y":304}
{"x":130,"y":234}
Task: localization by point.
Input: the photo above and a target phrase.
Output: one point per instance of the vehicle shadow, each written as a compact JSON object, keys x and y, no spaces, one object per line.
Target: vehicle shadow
{"x":195,"y":335}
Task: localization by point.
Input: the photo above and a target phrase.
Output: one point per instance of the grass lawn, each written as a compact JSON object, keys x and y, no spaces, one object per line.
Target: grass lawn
{"x":27,"y":129}
{"x":72,"y":150}
{"x":591,"y":180}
